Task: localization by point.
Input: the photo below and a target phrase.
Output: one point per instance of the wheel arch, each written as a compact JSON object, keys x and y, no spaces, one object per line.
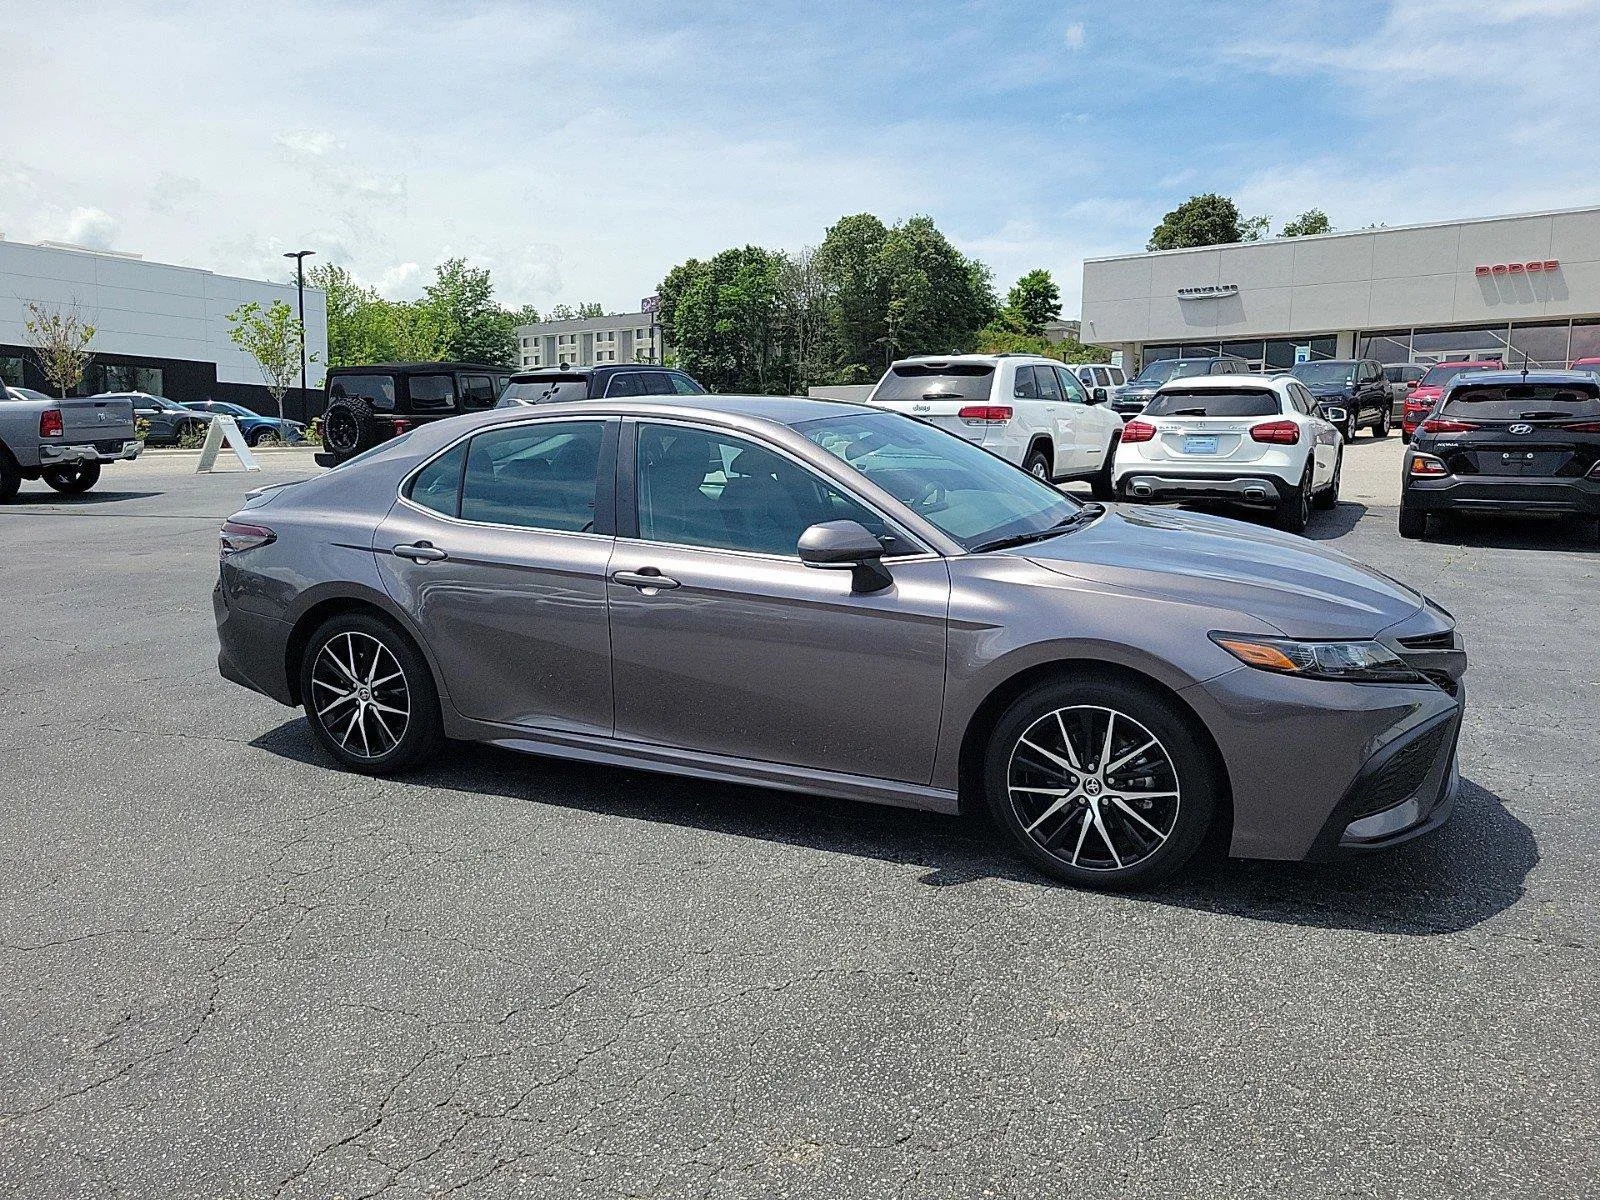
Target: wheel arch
{"x":333,"y":604}
{"x":1044,"y":443}
{"x":975,"y":739}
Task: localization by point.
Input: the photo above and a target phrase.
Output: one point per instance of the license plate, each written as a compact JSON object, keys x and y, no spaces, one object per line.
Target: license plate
{"x":1205,"y":443}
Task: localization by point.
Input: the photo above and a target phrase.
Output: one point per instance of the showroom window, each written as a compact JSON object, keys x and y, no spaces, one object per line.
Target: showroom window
{"x":535,"y":476}
{"x":1541,"y":345}
{"x":10,"y":370}
{"x":1585,"y":340}
{"x":120,"y":377}
{"x":1387,"y":346}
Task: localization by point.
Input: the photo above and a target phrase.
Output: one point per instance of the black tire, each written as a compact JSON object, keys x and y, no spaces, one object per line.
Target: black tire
{"x":1101,"y":487}
{"x":1294,"y":510}
{"x":1037,"y":464}
{"x":349,"y":427}
{"x":350,"y":638}
{"x":79,"y":477}
{"x":10,"y":477}
{"x":1413,"y":521}
{"x":265,"y":437}
{"x":1385,"y":422}
{"x":1405,"y":437}
{"x":1350,"y":426}
{"x":1328,"y":497}
{"x":1175,"y":791}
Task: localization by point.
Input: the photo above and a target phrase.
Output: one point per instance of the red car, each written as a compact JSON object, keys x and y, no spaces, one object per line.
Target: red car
{"x":1586,"y":364}
{"x":1421,"y":399}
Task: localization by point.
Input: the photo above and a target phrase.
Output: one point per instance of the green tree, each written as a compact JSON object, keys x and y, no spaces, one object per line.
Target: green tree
{"x":722,"y":317}
{"x":474,"y":328}
{"x":938,"y":299}
{"x":414,"y":332}
{"x":360,"y":323}
{"x":273,"y":337}
{"x":592,"y":308}
{"x":1205,"y":220}
{"x":850,"y":262}
{"x":59,"y":339}
{"x":1313,"y":220}
{"x":1033,"y":301}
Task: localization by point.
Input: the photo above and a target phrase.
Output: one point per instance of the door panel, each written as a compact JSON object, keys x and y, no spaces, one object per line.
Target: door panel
{"x":773,"y":660}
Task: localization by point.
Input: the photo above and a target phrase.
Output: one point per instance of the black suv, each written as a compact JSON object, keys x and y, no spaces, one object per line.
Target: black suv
{"x":368,"y":405}
{"x":1356,"y":385}
{"x":1506,"y":441}
{"x":553,"y":384}
{"x":1130,"y":402}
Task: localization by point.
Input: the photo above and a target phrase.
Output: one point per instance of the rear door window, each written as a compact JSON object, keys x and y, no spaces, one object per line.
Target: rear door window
{"x":433,"y":393}
{"x":540,"y":476}
{"x":626,"y":383}
{"x":438,"y":485}
{"x":684,"y":386}
{"x":1214,"y":402}
{"x":952,"y":381}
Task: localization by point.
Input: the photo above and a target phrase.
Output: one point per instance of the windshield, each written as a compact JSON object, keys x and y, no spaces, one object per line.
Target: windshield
{"x":545,"y":390}
{"x":1173,"y":368}
{"x":1213,"y":402}
{"x":963,"y":491}
{"x":1443,"y":373}
{"x":947,"y":381}
{"x":1524,"y":401}
{"x":1324,"y":372}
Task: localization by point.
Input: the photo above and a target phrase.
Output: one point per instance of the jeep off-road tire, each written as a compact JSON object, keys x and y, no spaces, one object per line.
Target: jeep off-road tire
{"x":349,"y":427}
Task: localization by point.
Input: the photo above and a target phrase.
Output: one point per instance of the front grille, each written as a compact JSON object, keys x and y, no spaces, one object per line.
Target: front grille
{"x":1405,"y":772}
{"x":1431,"y":641}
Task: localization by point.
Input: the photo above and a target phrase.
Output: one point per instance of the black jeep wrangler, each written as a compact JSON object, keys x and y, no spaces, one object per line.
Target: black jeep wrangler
{"x":368,"y":405}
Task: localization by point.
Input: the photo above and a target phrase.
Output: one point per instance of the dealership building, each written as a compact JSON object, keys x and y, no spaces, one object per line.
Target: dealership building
{"x":1500,"y":287}
{"x":159,"y":328}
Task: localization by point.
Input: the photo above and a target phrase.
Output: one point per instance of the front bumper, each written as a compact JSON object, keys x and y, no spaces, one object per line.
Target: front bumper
{"x":1505,"y":493}
{"x":112,"y":450}
{"x":1135,"y":484}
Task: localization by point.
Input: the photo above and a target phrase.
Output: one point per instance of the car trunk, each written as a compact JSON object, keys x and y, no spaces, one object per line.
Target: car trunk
{"x":96,"y":419}
{"x":936,"y":392}
{"x":1521,"y":430}
{"x":1208,"y":439}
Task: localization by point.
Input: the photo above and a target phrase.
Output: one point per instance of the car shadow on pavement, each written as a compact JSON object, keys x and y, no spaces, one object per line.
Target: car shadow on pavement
{"x":26,"y":497}
{"x":1471,"y":870}
{"x":1490,"y":532}
{"x":1336,"y":521}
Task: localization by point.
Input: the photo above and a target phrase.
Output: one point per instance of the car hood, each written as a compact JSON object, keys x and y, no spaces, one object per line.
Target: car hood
{"x":1329,"y":389}
{"x":1296,"y":586}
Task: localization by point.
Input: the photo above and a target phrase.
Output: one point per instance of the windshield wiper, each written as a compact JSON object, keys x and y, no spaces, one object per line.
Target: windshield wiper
{"x":1088,"y":512}
{"x":1186,"y":412}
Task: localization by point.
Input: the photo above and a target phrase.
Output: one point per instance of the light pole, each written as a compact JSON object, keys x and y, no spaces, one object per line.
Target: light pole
{"x":299,"y":257}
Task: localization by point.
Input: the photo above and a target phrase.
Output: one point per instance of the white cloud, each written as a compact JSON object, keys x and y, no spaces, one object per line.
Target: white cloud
{"x":1074,"y":36}
{"x":310,"y":143}
{"x":91,"y":227}
{"x":401,"y":282}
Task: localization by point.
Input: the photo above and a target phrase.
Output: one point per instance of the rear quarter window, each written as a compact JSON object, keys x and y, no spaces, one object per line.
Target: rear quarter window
{"x":954,"y":381}
{"x":379,"y":389}
{"x":1524,"y":402}
{"x":1214,"y":402}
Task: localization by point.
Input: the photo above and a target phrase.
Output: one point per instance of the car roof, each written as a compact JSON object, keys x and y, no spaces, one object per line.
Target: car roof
{"x":1500,"y":378}
{"x":1265,"y":383}
{"x":924,"y":360}
{"x":595,"y":369}
{"x":413,"y":368}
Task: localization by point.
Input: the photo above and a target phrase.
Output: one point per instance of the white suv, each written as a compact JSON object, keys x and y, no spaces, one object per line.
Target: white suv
{"x":1241,"y":438}
{"x":1111,"y":380}
{"x":1029,"y":410}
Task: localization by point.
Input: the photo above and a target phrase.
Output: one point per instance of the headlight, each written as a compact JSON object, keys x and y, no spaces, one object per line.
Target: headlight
{"x":1349,"y":662}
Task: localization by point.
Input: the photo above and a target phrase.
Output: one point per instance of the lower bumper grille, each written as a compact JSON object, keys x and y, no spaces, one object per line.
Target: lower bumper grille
{"x":1405,"y":772}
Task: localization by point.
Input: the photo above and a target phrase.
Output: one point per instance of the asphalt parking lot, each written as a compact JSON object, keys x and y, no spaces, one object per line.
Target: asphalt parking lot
{"x":228,"y":970}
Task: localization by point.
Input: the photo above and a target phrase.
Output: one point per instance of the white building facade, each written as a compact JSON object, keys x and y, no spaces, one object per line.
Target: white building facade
{"x":159,"y":328}
{"x":1499,"y":287}
{"x":590,"y":341}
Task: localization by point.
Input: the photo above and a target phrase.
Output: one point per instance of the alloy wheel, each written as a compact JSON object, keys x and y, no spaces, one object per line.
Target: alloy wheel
{"x":360,"y":694}
{"x":1093,"y":788}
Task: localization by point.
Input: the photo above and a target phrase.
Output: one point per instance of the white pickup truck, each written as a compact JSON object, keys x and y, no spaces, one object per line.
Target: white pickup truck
{"x":1029,"y":410}
{"x":62,"y":442}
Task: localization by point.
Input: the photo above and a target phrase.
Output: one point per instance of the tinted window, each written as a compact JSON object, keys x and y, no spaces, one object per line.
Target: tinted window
{"x":627,"y":383}
{"x":1024,"y":386}
{"x":960,"y":489}
{"x":379,"y":389}
{"x":1172,"y":368}
{"x":438,"y":485}
{"x":684,"y":386}
{"x":546,"y":389}
{"x":1443,"y":373}
{"x":664,"y":383}
{"x":1524,"y":401}
{"x":954,"y":381}
{"x":699,"y":488}
{"x":1324,"y":372}
{"x":539,"y":476}
{"x":477,"y":391}
{"x":1073,"y":389}
{"x":1049,"y":388}
{"x":432,"y":393}
{"x":1213,"y":402}
{"x":1102,"y":377}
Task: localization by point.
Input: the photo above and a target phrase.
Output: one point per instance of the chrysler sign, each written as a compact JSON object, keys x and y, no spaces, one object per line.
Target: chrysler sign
{"x":1208,"y":291}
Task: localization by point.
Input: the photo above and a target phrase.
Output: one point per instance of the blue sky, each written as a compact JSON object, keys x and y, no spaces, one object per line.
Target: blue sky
{"x":579,"y":150}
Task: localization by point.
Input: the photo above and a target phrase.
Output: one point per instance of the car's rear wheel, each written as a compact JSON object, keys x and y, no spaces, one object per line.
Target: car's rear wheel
{"x":1294,"y":510}
{"x":1037,"y":463}
{"x":1328,"y":497}
{"x":1100,"y":782}
{"x":79,"y":477}
{"x":369,"y":695}
{"x":10,"y":477}
{"x":1350,"y":426}
{"x":1413,"y":521}
{"x":349,"y":427}
{"x":1101,"y":487}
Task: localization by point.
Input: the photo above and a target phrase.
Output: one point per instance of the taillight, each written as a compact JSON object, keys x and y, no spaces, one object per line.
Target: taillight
{"x":50,"y":423}
{"x":1583,"y":427}
{"x":1279,"y":433}
{"x":1414,"y":405}
{"x":1445,"y":425}
{"x":1427,"y":465}
{"x":985,"y":414}
{"x":1137,"y":431}
{"x":238,"y":536}
{"x":401,"y":425}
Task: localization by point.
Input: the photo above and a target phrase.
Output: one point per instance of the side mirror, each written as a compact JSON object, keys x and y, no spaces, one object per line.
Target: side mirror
{"x":1098,"y":396}
{"x":1411,"y":384}
{"x":1337,"y":416}
{"x":846,"y":546}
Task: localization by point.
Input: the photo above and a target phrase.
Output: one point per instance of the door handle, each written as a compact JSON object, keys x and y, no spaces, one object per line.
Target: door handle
{"x":645,"y":577}
{"x":420,"y":552}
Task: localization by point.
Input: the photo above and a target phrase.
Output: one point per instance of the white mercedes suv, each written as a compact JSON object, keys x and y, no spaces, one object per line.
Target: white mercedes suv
{"x":1029,"y":410}
{"x":1240,"y":438}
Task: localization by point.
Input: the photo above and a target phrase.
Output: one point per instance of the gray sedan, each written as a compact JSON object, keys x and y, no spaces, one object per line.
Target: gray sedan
{"x":828,"y":598}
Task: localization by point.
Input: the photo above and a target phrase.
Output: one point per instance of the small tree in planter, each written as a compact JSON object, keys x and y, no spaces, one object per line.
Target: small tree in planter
{"x":59,"y":339}
{"x":272,"y":337}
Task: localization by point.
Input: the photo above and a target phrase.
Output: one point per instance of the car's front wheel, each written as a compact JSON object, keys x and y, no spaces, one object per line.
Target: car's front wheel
{"x":1385,"y":422}
{"x":1100,"y":782}
{"x":70,"y":480}
{"x":369,"y":695}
